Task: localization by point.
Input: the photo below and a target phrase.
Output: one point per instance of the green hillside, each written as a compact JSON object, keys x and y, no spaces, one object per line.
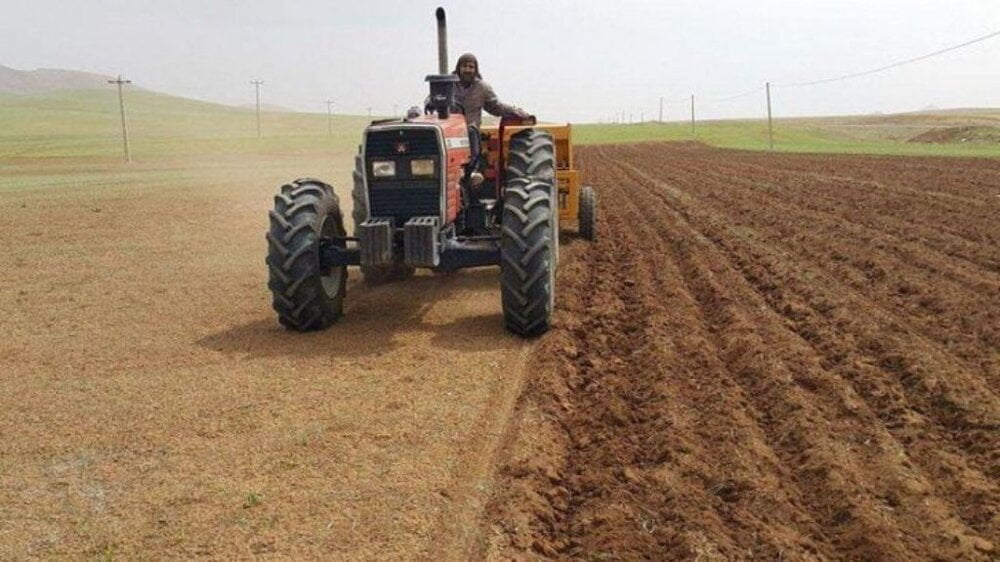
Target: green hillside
{"x":877,"y":134}
{"x":85,"y":123}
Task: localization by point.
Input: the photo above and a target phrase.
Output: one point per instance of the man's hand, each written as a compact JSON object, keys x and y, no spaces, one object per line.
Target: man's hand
{"x":521,"y":114}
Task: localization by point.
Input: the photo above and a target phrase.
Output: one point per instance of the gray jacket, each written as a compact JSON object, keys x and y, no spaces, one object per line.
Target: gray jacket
{"x":478,"y":96}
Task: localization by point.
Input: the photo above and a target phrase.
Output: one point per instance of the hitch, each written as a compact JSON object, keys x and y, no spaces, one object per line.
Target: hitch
{"x":333,"y":252}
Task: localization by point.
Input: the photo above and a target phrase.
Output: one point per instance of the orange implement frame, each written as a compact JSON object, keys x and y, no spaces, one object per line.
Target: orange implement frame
{"x":567,"y":177}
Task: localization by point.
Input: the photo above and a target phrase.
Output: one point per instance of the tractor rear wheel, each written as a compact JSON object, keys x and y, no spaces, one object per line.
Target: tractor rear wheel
{"x":528,"y":230}
{"x":588,"y":212}
{"x":524,"y":161}
{"x":305,"y":296}
{"x":373,"y":274}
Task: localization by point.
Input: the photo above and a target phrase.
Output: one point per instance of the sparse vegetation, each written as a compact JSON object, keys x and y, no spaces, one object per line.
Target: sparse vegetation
{"x":252,"y":499}
{"x":853,"y":135}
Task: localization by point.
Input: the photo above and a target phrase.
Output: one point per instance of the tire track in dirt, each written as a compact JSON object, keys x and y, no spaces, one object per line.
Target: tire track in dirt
{"x":758,"y":406}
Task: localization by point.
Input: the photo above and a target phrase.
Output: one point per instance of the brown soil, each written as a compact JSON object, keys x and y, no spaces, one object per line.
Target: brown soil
{"x":766,"y":357}
{"x":763,"y":356}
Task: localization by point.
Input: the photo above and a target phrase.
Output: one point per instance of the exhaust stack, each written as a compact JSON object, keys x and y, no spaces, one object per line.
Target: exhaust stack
{"x":442,"y":84}
{"x":442,"y":41}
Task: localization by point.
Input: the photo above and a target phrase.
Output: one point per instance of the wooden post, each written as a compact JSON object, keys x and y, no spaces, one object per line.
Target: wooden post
{"x":692,"y":115}
{"x":121,"y":106}
{"x":329,"y":117}
{"x":256,"y":87}
{"x":770,"y":125}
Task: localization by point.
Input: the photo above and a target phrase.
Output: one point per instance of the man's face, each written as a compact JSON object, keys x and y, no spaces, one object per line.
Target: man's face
{"x":467,"y":71}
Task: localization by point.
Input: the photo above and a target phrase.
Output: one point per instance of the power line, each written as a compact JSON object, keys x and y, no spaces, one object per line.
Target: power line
{"x":735,"y":97}
{"x":893,"y":65}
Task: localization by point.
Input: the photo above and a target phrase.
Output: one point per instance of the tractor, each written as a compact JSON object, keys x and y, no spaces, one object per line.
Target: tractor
{"x":431,"y":192}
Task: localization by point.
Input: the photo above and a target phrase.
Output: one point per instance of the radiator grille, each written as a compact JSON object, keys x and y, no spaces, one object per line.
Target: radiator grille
{"x":402,"y":196}
{"x":404,"y":200}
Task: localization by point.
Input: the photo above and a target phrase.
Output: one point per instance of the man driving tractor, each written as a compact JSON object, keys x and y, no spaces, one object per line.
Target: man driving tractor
{"x":474,"y":95}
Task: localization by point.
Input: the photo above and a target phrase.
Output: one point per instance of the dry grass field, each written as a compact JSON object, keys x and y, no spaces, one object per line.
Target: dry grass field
{"x":153,"y":407}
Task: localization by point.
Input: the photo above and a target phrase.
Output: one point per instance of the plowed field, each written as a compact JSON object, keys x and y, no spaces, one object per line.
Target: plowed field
{"x":774,"y":357}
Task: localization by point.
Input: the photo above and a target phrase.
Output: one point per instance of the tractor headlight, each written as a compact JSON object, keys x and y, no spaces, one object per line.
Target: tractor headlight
{"x":422,"y":167}
{"x":383,"y":168}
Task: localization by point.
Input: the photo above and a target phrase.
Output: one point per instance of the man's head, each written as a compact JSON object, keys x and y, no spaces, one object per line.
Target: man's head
{"x":467,"y":68}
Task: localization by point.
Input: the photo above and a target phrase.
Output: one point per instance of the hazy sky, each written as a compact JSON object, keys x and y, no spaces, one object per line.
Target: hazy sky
{"x":579,"y":61}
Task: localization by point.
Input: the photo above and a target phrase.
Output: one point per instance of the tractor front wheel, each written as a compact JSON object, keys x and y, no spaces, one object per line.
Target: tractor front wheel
{"x":305,"y":296}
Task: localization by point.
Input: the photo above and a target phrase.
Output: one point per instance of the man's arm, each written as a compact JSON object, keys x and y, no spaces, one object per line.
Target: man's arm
{"x":496,"y":107}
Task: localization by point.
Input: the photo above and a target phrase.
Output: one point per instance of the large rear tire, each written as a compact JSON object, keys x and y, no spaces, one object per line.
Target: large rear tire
{"x":305,"y":296}
{"x":588,"y":212}
{"x":373,"y":274}
{"x":528,"y":234}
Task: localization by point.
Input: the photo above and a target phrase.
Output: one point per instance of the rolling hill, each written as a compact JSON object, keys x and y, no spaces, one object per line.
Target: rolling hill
{"x":69,"y":113}
{"x":13,"y":81}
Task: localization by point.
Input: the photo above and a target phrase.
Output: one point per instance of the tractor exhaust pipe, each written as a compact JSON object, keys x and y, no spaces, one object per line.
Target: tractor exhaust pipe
{"x":442,"y":84}
{"x":442,"y":41}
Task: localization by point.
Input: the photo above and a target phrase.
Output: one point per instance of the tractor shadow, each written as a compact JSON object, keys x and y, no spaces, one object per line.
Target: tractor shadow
{"x":378,"y":320}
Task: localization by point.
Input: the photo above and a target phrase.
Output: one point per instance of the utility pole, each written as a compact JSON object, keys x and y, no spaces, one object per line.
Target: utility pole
{"x":661,"y":109}
{"x":329,"y":117}
{"x":692,"y":114}
{"x":256,"y":87}
{"x":121,"y":105}
{"x":770,"y":125}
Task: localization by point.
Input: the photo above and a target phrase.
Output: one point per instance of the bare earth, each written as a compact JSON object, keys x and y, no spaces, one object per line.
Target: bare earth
{"x":763,"y":357}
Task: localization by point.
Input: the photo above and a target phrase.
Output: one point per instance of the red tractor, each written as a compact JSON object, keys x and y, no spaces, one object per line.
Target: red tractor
{"x":424,"y":198}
